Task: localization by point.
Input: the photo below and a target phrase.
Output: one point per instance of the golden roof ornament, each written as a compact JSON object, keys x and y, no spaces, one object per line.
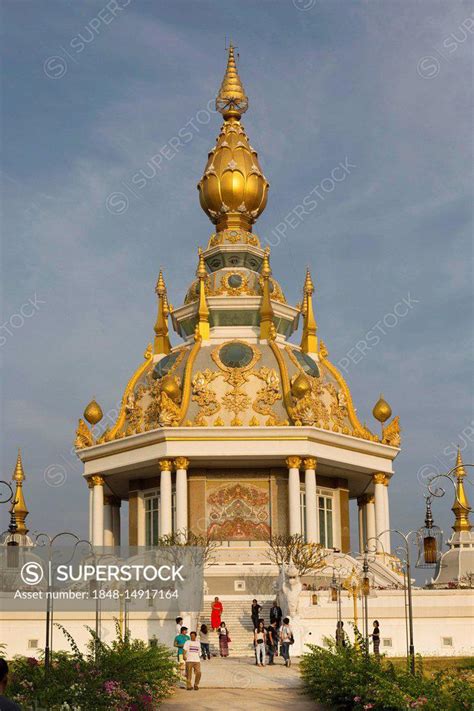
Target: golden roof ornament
{"x":202,"y":327}
{"x":461,"y":508}
{"x":382,"y":410}
{"x":93,"y":412}
{"x":266,"y":309}
{"x":161,"y":344}
{"x":309,"y":341}
{"x":233,"y":190}
{"x":18,"y":508}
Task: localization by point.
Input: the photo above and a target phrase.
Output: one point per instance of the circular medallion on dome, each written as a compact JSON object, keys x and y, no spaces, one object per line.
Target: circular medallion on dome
{"x":234,"y":281}
{"x":164,"y":365}
{"x":308,"y":364}
{"x":236,"y":355}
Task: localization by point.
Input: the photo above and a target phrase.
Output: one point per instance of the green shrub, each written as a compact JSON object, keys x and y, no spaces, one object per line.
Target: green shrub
{"x":347,"y":679}
{"x":126,"y":675}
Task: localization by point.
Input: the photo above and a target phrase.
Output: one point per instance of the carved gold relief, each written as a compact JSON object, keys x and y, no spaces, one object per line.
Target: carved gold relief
{"x":391,"y":433}
{"x":84,"y":436}
{"x":270,"y":393}
{"x":205,"y":397}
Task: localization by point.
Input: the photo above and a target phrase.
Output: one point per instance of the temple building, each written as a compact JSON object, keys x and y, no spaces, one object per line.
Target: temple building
{"x":238,"y":432}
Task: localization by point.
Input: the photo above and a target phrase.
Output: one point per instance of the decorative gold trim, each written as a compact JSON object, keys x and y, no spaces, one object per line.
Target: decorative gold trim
{"x":380,"y":478}
{"x":310,"y":463}
{"x":188,"y":371}
{"x":97,"y":480}
{"x":285,"y":379}
{"x":215,"y":355}
{"x":129,"y":389}
{"x":182,"y":463}
{"x":359,"y":429}
{"x":166,"y":465}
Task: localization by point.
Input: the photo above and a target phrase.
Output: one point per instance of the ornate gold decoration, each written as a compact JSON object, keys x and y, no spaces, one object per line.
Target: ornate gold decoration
{"x":182,"y":463}
{"x":300,"y":386}
{"x":225,"y":288}
{"x":18,"y":507}
{"x":254,"y":422}
{"x":218,"y":422}
{"x":382,"y":410}
{"x":162,"y":342}
{"x":205,"y":397}
{"x":309,"y":341}
{"x":293,"y":462}
{"x":97,"y":480}
{"x":323,"y":351}
{"x":236,"y":400}
{"x":461,"y":508}
{"x":269,"y":394}
{"x":233,"y":190}
{"x":380,"y":478}
{"x":203,"y":309}
{"x":93,"y":412}
{"x":84,"y":437}
{"x":116,"y":429}
{"x":391,"y":433}
{"x":309,"y":463}
{"x":166,"y":465}
{"x":171,"y":386}
{"x":234,"y":236}
{"x":266,"y":309}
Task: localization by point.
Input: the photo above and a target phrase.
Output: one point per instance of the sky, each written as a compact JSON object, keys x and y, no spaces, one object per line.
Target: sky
{"x":94,"y":93}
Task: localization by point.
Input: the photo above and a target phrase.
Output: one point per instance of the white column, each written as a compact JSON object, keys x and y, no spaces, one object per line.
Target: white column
{"x":116,"y":521}
{"x":91,"y":506}
{"x":362,"y":511}
{"x":166,"y":519}
{"x":379,"y":489}
{"x":293,"y":464}
{"x":182,"y":465}
{"x":98,"y":511}
{"x":387,"y":516}
{"x":370,"y":521}
{"x":108,"y":530}
{"x":312,"y":523}
{"x":141,"y":519}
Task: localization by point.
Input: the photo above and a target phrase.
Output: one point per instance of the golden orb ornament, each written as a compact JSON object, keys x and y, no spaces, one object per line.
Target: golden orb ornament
{"x":382,"y":410}
{"x":300,"y":386}
{"x":169,"y":385}
{"x":93,"y":412}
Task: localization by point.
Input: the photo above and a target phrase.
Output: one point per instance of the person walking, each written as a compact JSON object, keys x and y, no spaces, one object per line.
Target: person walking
{"x":272,"y":642}
{"x":255,"y":613}
{"x":340,"y":634}
{"x":259,"y":639}
{"x":276,"y":614}
{"x":224,"y":640}
{"x":179,"y":624}
{"x":204,"y":640}
{"x":193,"y":662}
{"x":286,"y":640}
{"x":216,"y":613}
{"x":179,"y":642}
{"x":376,"y":638}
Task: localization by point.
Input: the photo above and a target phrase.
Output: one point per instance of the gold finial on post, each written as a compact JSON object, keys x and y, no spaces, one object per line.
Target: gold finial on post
{"x":382,"y":411}
{"x":203,"y":309}
{"x":162,"y":342}
{"x":461,"y":508}
{"x":266,"y":309}
{"x":309,"y":340}
{"x":18,"y":508}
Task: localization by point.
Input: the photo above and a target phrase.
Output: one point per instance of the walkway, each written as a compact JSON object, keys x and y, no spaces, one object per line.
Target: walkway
{"x":237,"y":683}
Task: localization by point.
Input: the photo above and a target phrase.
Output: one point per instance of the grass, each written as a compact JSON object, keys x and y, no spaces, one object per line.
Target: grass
{"x":435,"y":664}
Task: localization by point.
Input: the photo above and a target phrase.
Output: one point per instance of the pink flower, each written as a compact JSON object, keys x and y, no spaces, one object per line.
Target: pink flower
{"x":32,"y":662}
{"x":357,"y":699}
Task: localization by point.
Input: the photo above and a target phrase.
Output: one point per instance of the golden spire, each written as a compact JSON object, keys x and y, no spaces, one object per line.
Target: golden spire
{"x":461,"y":508}
{"x":231,"y":99}
{"x":203,"y":309}
{"x":162,"y":342}
{"x":18,"y":507}
{"x":233,"y":190}
{"x":266,"y":309}
{"x":309,"y":341}
{"x":93,"y":412}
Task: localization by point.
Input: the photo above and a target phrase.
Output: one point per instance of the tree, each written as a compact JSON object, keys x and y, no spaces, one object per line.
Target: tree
{"x":183,"y":539}
{"x":307,"y":557}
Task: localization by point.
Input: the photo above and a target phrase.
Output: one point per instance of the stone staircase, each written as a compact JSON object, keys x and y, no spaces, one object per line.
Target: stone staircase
{"x":236,"y":615}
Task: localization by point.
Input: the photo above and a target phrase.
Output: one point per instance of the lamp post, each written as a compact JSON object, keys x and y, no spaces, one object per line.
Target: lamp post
{"x":335,"y":589}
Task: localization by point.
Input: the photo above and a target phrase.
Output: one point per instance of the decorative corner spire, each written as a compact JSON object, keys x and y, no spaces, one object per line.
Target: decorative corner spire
{"x":309,"y":340}
{"x":162,"y":342}
{"x":267,"y":329}
{"x":18,"y":509}
{"x":231,"y":101}
{"x":203,"y":309}
{"x":461,"y":508}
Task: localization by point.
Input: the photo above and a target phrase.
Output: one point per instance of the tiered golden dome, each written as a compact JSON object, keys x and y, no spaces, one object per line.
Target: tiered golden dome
{"x":233,"y":190}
